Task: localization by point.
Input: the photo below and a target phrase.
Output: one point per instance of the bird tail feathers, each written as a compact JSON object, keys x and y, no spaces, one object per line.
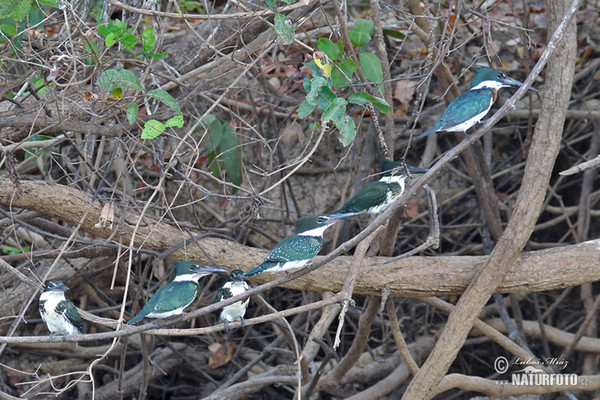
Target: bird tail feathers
{"x":135,"y":319}
{"x":427,"y":132}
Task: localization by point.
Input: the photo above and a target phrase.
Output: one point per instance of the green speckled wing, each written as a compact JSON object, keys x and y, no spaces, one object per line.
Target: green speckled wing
{"x":372,"y":195}
{"x":171,"y":296}
{"x":294,"y":248}
{"x":71,"y":313}
{"x":465,"y":107}
{"x":223,"y":294}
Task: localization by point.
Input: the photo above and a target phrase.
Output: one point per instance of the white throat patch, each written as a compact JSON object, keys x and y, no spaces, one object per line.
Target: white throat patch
{"x":489,"y":85}
{"x":315,"y":232}
{"x":187,"y":278}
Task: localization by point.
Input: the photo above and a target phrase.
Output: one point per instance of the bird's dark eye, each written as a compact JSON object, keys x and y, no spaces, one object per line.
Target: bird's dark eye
{"x":321,"y":220}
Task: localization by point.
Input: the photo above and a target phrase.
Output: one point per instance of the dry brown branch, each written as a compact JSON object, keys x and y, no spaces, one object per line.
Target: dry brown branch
{"x":163,"y":360}
{"x":554,"y":335}
{"x":242,"y":15}
{"x":350,"y":281}
{"x":387,"y":378}
{"x":357,"y":347}
{"x":399,"y":339}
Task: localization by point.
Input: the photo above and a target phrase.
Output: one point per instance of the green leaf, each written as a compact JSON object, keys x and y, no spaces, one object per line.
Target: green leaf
{"x":284,"y":29}
{"x":21,"y":7}
{"x":305,"y":109}
{"x":316,"y":84}
{"x":35,"y":16}
{"x":116,"y":93}
{"x":209,"y":119}
{"x":390,"y":31}
{"x":326,"y":97}
{"x":165,"y":98}
{"x":336,"y":111}
{"x":363,"y":97}
{"x":272,"y":5}
{"x":49,"y":3}
{"x":347,"y":130}
{"x":306,"y":84}
{"x":132,"y":112}
{"x":8,"y":29}
{"x":148,"y":39}
{"x":371,"y":66}
{"x":110,"y":40}
{"x":152,"y":129}
{"x":129,"y":41}
{"x":90,"y":46}
{"x":159,"y":55}
{"x":231,"y":155}
{"x":361,"y":32}
{"x":338,"y":79}
{"x":328,"y":47}
{"x":111,"y":79}
{"x":10,"y":250}
{"x":175,"y":121}
{"x":215,"y":134}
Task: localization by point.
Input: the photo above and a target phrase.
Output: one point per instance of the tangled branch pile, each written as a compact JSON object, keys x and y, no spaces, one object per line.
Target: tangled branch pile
{"x":134,"y":137}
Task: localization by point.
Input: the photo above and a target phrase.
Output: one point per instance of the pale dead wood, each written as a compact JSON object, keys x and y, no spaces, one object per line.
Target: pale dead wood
{"x":554,"y":335}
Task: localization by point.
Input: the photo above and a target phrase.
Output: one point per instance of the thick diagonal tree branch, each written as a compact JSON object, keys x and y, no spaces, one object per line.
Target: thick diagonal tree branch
{"x":544,"y":149}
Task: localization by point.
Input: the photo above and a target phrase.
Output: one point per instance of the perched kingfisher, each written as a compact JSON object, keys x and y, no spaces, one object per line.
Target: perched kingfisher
{"x":375,"y":197}
{"x":296,"y":251}
{"x":59,"y":314}
{"x":470,"y":107}
{"x":176,"y":295}
{"x":234,"y":286}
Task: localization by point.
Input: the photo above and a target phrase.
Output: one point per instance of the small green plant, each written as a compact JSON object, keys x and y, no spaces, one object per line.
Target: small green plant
{"x":332,"y":69}
{"x":30,"y":152}
{"x":188,"y":7}
{"x":11,"y":251}
{"x":224,"y":150}
{"x":284,"y":27}
{"x":115,"y":80}
{"x":117,"y":31}
{"x":16,"y":15}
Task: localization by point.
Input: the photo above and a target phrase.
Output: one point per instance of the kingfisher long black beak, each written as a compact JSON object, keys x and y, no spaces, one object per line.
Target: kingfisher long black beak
{"x":509,"y":82}
{"x":417,"y":170}
{"x":205,"y":270}
{"x":60,"y":287}
{"x":336,"y":217}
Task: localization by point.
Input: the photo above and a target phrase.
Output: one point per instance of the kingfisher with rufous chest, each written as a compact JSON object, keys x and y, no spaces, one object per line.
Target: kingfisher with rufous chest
{"x":470,"y":107}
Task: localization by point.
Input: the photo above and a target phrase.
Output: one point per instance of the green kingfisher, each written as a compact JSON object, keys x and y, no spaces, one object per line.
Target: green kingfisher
{"x":470,"y":107}
{"x":296,"y":251}
{"x":176,"y":295}
{"x":234,"y":286}
{"x":59,"y":314}
{"x":375,"y":197}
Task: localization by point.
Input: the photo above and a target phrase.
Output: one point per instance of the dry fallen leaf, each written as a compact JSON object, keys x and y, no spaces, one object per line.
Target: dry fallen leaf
{"x":217,"y":357}
{"x":412,"y":209}
{"x":107,"y":216}
{"x":404,"y":91}
{"x":291,"y":131}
